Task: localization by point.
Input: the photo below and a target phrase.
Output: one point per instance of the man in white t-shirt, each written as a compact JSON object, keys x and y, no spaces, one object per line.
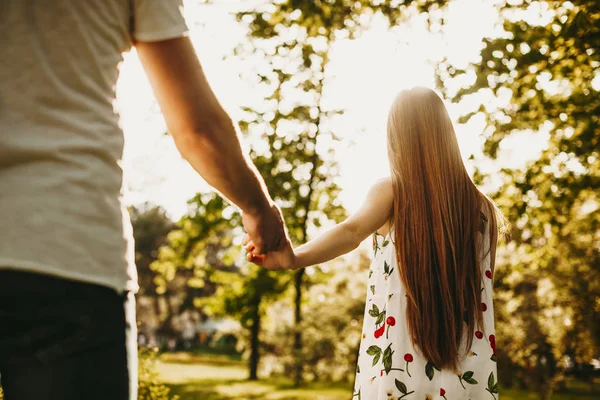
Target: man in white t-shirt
{"x":66,"y":254}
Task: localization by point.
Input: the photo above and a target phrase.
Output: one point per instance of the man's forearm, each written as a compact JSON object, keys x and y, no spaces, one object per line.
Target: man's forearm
{"x":214,"y":151}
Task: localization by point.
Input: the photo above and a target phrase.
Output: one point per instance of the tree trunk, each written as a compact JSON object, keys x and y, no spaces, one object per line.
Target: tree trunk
{"x":297,"y":351}
{"x":254,"y":341}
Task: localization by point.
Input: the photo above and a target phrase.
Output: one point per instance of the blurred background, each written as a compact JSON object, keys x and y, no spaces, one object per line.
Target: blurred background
{"x":311,"y":83}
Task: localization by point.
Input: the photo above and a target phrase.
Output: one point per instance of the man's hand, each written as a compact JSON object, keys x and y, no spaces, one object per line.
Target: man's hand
{"x":265,"y":229}
{"x":284,"y":258}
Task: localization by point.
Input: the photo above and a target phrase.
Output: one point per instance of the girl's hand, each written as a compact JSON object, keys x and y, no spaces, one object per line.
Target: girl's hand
{"x":282,"y":259}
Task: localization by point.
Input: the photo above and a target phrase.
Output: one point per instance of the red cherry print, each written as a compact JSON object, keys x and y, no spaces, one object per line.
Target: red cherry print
{"x":493,"y":343}
{"x":488,"y":273}
{"x":479,"y":335}
{"x":483,"y":307}
{"x":442,"y":392}
{"x":391,"y":321}
{"x":408,"y":358}
{"x":379,"y":332}
{"x":381,"y":373}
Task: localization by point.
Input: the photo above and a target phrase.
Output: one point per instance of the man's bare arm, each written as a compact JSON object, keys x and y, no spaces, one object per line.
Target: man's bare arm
{"x":206,"y":136}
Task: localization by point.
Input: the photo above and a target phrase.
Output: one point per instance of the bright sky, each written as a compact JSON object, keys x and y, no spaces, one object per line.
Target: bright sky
{"x":368,"y":72}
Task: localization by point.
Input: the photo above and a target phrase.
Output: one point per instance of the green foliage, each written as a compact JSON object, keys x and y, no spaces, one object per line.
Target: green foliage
{"x":548,"y":66}
{"x":293,"y":39}
{"x":151,"y":226}
{"x":332,"y":326}
{"x":201,"y":241}
{"x":149,"y":387}
{"x":224,"y":284}
{"x":342,"y":18}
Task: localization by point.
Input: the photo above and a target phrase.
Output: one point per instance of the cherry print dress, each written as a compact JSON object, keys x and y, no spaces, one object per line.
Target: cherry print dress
{"x":391,"y":368}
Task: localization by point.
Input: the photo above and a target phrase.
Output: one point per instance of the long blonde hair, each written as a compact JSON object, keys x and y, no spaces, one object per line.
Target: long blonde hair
{"x":437,"y":215}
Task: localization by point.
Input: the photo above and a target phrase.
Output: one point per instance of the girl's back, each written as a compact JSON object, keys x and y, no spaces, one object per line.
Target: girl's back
{"x":390,"y":366}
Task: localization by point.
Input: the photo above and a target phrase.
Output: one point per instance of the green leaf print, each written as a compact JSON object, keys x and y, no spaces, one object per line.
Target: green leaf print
{"x":429,"y":371}
{"x":467,"y":377}
{"x":401,"y":387}
{"x":387,"y":359}
{"x":372,"y":287}
{"x":380,"y":318}
{"x":386,"y":269}
{"x":492,"y":385}
{"x":386,"y":242}
{"x":374,"y":311}
{"x":374,"y":351}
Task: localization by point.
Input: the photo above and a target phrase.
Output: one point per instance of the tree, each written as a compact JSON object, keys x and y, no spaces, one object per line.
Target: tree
{"x":333,"y":310}
{"x":295,"y":37}
{"x":547,"y":63}
{"x":150,"y":228}
{"x":224,"y":284}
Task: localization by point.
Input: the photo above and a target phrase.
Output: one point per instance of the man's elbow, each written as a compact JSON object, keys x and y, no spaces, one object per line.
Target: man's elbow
{"x":207,"y":134}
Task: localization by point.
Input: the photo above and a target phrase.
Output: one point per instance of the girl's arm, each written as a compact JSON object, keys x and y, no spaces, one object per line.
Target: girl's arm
{"x":341,"y":239}
{"x":346,"y":236}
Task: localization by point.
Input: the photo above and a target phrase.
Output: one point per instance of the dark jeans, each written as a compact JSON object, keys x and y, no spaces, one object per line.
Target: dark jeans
{"x":65,"y":340}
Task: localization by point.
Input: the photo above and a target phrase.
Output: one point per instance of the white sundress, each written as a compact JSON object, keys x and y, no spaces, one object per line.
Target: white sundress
{"x":391,"y":368}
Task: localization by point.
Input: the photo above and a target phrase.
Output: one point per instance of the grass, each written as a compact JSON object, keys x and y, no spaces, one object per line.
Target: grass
{"x":206,"y":377}
{"x":223,"y":389}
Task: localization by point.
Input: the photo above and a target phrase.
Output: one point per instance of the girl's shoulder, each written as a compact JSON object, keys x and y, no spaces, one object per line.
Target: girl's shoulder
{"x":383,"y":187}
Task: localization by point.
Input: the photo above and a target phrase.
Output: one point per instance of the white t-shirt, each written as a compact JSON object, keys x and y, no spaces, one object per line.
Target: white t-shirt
{"x":61,"y":210}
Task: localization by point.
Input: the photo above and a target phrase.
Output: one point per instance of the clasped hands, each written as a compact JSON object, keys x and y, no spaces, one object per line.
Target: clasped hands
{"x":267,"y":241}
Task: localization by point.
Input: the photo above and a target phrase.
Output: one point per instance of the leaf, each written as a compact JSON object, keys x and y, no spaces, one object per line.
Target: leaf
{"x":374,"y":312}
{"x":401,"y":387}
{"x":386,"y":242}
{"x":380,"y":318}
{"x":493,"y":358}
{"x":495,"y":388}
{"x":373,"y":350}
{"x":387,"y":359}
{"x":471,"y":381}
{"x":372,"y":289}
{"x":468,"y":377}
{"x":386,"y":267}
{"x":491,"y":381}
{"x":376,"y":359}
{"x":429,"y":370}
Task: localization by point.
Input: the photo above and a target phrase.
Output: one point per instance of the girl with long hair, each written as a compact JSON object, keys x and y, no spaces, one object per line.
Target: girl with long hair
{"x":429,"y":319}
